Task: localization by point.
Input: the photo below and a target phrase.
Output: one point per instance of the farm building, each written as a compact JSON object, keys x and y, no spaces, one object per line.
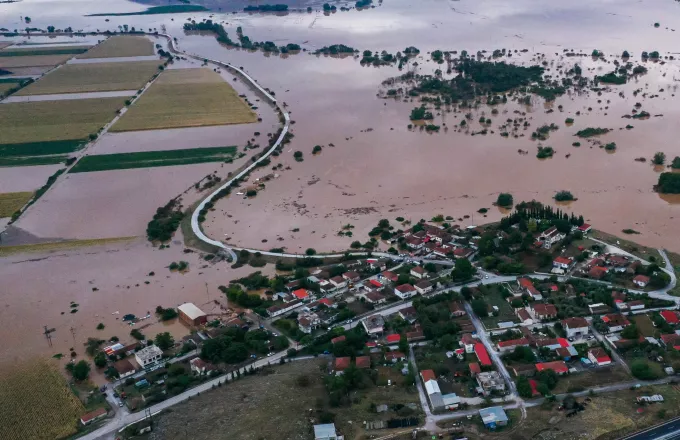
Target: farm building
{"x":191,"y":315}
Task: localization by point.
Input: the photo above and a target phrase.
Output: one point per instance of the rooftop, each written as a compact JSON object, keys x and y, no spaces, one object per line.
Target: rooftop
{"x":493,"y":414}
{"x":149,"y":352}
{"x":191,"y":311}
{"x":325,"y":431}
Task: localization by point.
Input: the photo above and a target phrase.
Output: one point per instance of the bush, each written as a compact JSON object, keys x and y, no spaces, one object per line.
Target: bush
{"x":669,"y":183}
{"x":504,"y":200}
{"x":316,"y":149}
{"x":298,"y":156}
{"x":642,"y":370}
{"x":659,"y":158}
{"x":310,"y":252}
{"x":563,"y":196}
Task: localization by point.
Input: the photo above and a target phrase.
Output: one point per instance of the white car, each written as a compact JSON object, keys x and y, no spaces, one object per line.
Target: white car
{"x":270,"y":354}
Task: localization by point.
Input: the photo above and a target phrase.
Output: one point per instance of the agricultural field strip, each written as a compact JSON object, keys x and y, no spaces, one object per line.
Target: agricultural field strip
{"x":99,"y":77}
{"x":31,"y":51}
{"x":120,"y":46}
{"x":34,"y":122}
{"x":37,"y":403}
{"x":60,"y":245}
{"x":146,"y":159}
{"x":186,"y":98}
{"x":31,"y":161}
{"x":12,"y":202}
{"x":33,"y":61}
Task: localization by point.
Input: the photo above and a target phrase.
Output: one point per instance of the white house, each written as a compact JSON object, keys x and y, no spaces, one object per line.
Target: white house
{"x":550,"y":236}
{"x":575,"y":327}
{"x":338,"y":282}
{"x":599,"y":357}
{"x":562,"y":263}
{"x":148,"y":356}
{"x":124,"y":368}
{"x":424,"y":287}
{"x":418,"y":272}
{"x":405,"y":291}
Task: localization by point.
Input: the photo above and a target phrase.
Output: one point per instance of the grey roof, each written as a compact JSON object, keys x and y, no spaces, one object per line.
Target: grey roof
{"x":326,"y":431}
{"x":493,"y":414}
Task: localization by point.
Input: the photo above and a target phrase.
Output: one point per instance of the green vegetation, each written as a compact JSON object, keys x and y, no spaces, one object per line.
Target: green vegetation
{"x":545,"y":152}
{"x":335,"y":49}
{"x":676,"y":163}
{"x":169,"y":9}
{"x":31,"y":161}
{"x":166,"y":314}
{"x":21,"y":52}
{"x":590,"y":131}
{"x":611,"y":146}
{"x":298,"y":156}
{"x":569,"y":121}
{"x":266,"y":8}
{"x":659,"y":158}
{"x":669,"y":183}
{"x":630,"y":231}
{"x":644,"y":370}
{"x":41,"y":148}
{"x":420,"y":113}
{"x":146,"y":159}
{"x":564,"y":196}
{"x":543,"y":131}
{"x":504,"y":200}
{"x":612,"y":78}
{"x":165,"y":222}
{"x":576,"y":144}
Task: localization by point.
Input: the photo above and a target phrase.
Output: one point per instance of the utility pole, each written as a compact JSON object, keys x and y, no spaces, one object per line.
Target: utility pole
{"x":73,"y":333}
{"x":47,"y":332}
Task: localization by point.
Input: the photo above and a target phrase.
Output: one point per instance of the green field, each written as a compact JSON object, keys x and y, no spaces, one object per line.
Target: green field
{"x":25,"y":52}
{"x":147,"y":159}
{"x":12,"y":202}
{"x":95,"y":77}
{"x":21,"y":161}
{"x":41,"y":148}
{"x":170,"y":9}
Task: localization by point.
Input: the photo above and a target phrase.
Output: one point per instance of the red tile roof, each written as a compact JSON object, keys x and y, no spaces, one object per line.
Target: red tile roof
{"x":600,"y":355}
{"x":597,"y":272}
{"x":338,"y":339}
{"x":562,"y":260}
{"x":428,"y":375}
{"x":93,"y":415}
{"x":557,"y":366}
{"x":642,"y":279}
{"x":525,"y":282}
{"x":534,"y":387}
{"x":545,"y":309}
{"x":575,"y":323}
{"x":671,"y":339}
{"x":301,"y":293}
{"x":342,"y":363}
{"x":584,"y":227}
{"x":390,"y":275}
{"x":405,"y":288}
{"x":326,"y":301}
{"x":482,"y":354}
{"x":670,"y":316}
{"x":513,"y":342}
{"x":394,"y":355}
{"x":376,"y":283}
{"x":563,"y":342}
{"x":475,"y":368}
{"x":363,"y":362}
{"x":371,"y":344}
{"x":395,"y":337}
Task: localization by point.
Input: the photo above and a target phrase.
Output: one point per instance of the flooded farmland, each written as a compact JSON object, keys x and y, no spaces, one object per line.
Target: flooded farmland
{"x":372,"y":165}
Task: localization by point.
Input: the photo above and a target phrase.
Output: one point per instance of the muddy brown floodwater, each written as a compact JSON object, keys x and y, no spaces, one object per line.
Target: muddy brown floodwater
{"x":377,"y":168}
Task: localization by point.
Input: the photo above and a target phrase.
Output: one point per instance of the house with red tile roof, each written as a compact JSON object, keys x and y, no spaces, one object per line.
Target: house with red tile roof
{"x":585,"y":228}
{"x":456,"y":308}
{"x":524,"y":316}
{"x":391,"y":276}
{"x":670,"y":316}
{"x":338,"y":339}
{"x":375,"y":283}
{"x":528,"y":287}
{"x":507,"y":346}
{"x":599,"y":357}
{"x":394,"y":356}
{"x":475,"y":369}
{"x":544,"y":311}
{"x":301,"y":293}
{"x":92,"y":416}
{"x":341,"y":364}
{"x":363,"y":362}
{"x":408,"y":314}
{"x":641,"y":280}
{"x":615,"y":321}
{"x":375,"y":297}
{"x":597,"y":272}
{"x":428,"y":375}
{"x":394,"y":338}
{"x":482,"y":355}
{"x":351,"y":276}
{"x":558,"y":367}
{"x":405,"y":291}
{"x":468,"y":342}
{"x":671,"y":340}
{"x":462,"y":252}
{"x":562,"y":263}
{"x":418,"y":272}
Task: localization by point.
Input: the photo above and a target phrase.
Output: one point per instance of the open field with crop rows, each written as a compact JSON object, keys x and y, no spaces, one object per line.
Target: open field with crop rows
{"x":11,"y":202}
{"x":98,"y":77}
{"x":37,"y":403}
{"x":186,"y":98}
{"x":121,"y":46}
{"x":22,"y":122}
{"x":33,"y":61}
{"x":146,"y":159}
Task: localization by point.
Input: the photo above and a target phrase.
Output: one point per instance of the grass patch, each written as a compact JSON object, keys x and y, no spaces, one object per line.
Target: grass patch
{"x":60,"y":245}
{"x":41,"y":148}
{"x":31,"y":161}
{"x":120,"y":46}
{"x":37,"y":403}
{"x":28,"y":52}
{"x":12,"y":202}
{"x":636,"y":249}
{"x":645,"y":325}
{"x":186,"y":98}
{"x":170,"y":9}
{"x":591,"y":378}
{"x":33,"y":61}
{"x":98,"y":77}
{"x":41,"y":121}
{"x":147,"y":159}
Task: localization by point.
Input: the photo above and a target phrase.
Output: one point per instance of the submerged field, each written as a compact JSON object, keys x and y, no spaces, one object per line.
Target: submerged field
{"x":24,"y":122}
{"x":30,"y":51}
{"x":145,"y":159}
{"x":98,"y":77}
{"x":186,"y":98}
{"x":120,"y":46}
{"x":11,"y":202}
{"x":37,"y":403}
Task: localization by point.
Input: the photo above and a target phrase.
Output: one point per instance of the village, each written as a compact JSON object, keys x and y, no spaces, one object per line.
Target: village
{"x":435,"y":314}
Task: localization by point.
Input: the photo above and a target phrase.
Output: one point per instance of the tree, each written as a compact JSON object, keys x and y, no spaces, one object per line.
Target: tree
{"x":547,"y":377}
{"x":676,"y":163}
{"x":659,"y":158}
{"x":100,"y":326}
{"x":100,"y":359}
{"x":310,"y":252}
{"x":524,"y":387}
{"x":641,"y":370}
{"x":403,"y":344}
{"x":430,"y":267}
{"x":463,"y":270}
{"x":504,"y":200}
{"x":176,"y":369}
{"x":164,"y":340}
{"x":466,"y":292}
{"x":235,"y":353}
{"x":81,"y":370}
{"x":543,"y":389}
{"x":480,"y":307}
{"x":630,"y":332}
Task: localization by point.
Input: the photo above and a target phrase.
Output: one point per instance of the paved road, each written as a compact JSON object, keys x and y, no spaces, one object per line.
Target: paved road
{"x":669,"y":430}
